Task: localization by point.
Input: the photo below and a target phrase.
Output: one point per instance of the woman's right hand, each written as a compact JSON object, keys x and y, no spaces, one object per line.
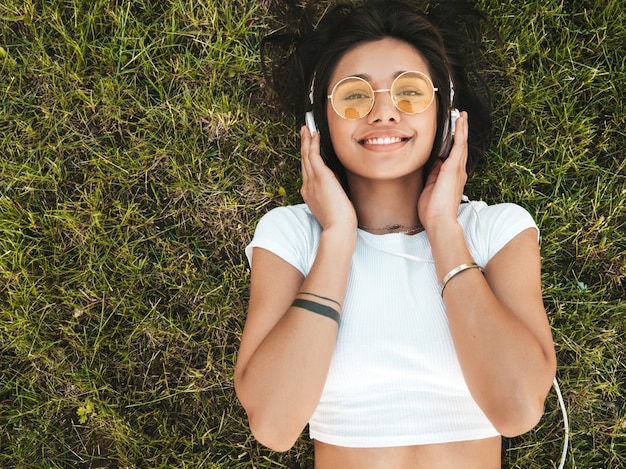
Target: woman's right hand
{"x":321,"y":190}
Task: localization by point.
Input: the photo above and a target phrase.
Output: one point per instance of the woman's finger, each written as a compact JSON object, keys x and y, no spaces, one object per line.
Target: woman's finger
{"x":311,"y":158}
{"x":315,"y":157}
{"x":458,"y":153}
{"x":305,"y":149}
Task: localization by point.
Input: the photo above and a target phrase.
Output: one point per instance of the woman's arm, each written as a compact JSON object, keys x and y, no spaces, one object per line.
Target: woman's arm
{"x":285,"y":351}
{"x":498,"y":321}
{"x":500,"y":329}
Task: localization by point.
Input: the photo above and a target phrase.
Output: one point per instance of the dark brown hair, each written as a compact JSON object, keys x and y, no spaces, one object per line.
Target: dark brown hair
{"x":448,"y":36}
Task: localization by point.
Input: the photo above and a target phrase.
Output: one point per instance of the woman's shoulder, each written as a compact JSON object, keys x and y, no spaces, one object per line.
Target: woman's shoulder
{"x":501,"y":213}
{"x":488,"y":228}
{"x":289,"y":217}
{"x":291,"y":232}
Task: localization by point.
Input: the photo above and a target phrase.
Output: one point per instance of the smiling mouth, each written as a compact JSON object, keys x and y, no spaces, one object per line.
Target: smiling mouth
{"x":383,"y":141}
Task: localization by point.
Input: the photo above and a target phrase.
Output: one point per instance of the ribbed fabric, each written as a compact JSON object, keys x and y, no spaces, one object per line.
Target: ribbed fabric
{"x":395,"y":378}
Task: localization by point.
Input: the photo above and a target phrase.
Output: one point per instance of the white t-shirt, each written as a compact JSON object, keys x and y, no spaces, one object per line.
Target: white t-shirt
{"x":394,"y":379}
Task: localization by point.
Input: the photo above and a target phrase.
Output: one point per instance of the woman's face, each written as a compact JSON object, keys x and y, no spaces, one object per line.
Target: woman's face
{"x":387,"y":143}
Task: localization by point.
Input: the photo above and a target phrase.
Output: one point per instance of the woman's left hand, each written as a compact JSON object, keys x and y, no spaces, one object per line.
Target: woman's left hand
{"x":442,"y":192}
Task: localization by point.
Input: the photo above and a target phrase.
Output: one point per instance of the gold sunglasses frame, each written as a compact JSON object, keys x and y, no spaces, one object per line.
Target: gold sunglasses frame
{"x":386,"y":90}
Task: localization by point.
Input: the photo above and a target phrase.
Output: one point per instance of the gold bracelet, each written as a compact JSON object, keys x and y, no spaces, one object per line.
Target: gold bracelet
{"x":457,"y":270}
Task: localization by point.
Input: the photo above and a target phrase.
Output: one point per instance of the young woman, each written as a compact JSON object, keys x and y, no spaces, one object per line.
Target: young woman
{"x":405,"y":327}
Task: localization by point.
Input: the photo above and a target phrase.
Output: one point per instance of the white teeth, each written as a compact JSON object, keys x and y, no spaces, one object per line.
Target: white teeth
{"x":382,"y":141}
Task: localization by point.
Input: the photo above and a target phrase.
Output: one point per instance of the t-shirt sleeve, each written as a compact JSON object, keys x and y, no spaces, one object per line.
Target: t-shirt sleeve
{"x":288,"y":232}
{"x":494,"y":227}
{"x":499,"y":224}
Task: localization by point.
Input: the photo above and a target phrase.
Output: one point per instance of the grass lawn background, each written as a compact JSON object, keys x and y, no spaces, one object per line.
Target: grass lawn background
{"x":139,"y":147}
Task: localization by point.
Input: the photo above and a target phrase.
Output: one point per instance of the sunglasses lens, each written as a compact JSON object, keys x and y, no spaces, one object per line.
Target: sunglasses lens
{"x":412,"y":92}
{"x":352,"y":98}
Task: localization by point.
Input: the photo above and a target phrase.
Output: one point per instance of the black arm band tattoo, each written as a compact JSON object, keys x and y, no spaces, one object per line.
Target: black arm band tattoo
{"x":317,"y":308}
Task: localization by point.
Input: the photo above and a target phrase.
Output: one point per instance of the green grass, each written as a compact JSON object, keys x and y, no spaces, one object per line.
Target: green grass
{"x":139,"y":150}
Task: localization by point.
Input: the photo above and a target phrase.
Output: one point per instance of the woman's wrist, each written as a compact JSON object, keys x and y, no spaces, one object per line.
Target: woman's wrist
{"x":443,"y":231}
{"x":449,"y":247}
{"x":341,"y":234}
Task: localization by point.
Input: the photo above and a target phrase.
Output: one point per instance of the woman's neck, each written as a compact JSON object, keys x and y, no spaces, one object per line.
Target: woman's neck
{"x":382,"y":203}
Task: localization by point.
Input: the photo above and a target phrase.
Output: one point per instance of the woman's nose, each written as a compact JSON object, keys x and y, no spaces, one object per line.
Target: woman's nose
{"x":384,"y":109}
